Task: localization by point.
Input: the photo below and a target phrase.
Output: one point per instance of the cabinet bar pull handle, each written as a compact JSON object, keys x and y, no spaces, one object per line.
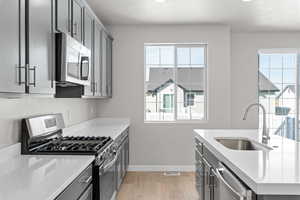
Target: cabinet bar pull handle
{"x":69,"y":25}
{"x":75,"y":29}
{"x":34,"y":76}
{"x":20,"y":82}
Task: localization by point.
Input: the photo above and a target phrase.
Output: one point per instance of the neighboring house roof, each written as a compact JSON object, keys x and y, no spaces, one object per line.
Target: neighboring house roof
{"x":292,"y":88}
{"x":188,"y":79}
{"x":266,"y":85}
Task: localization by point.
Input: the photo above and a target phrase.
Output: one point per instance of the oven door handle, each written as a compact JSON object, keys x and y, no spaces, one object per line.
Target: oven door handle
{"x":110,"y":164}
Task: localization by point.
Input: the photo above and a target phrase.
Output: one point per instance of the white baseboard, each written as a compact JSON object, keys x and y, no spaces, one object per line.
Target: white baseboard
{"x":161,"y":168}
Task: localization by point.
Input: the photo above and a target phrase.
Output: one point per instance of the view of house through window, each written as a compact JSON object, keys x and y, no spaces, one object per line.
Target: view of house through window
{"x":175,"y":82}
{"x":277,"y":91}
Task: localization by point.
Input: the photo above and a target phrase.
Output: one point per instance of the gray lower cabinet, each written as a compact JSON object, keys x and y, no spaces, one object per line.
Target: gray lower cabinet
{"x":215,"y":181}
{"x":123,"y":158}
{"x":12,"y":52}
{"x":127,"y":153}
{"x":77,"y":16}
{"x":40,"y":47}
{"x":200,"y":173}
{"x":207,"y":187}
{"x":81,"y":188}
{"x":88,"y":194}
{"x":63,"y":16}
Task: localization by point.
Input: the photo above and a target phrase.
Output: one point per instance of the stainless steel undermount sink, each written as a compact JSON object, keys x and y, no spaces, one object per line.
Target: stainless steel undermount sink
{"x":242,"y":144}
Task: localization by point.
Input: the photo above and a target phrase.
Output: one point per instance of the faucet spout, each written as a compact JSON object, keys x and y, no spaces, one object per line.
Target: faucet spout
{"x":265,"y":132}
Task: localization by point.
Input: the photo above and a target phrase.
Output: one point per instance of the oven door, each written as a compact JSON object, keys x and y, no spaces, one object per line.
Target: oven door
{"x":107,"y":179}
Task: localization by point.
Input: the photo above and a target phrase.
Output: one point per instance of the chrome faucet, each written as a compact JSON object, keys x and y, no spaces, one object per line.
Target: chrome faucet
{"x":265,"y":132}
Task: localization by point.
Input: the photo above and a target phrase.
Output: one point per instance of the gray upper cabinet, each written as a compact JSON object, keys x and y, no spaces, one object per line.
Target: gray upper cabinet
{"x":77,"y":13}
{"x":40,"y":47}
{"x":12,"y":77}
{"x":97,"y":59}
{"x":70,"y":18}
{"x":88,"y":42}
{"x":109,"y":53}
{"x":27,"y":50}
{"x":106,"y":79}
{"x":88,"y":29}
{"x":63,"y":17}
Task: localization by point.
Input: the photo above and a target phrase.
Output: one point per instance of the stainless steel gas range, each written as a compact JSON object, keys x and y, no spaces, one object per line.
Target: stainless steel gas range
{"x":44,"y":135}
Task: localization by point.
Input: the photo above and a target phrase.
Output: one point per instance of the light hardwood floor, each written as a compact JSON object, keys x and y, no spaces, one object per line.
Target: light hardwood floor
{"x":156,"y":186}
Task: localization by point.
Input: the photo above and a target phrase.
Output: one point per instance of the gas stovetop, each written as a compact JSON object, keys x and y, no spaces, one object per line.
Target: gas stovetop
{"x":70,"y":145}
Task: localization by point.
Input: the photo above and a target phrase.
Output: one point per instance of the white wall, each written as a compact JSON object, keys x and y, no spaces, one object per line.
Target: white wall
{"x":13,"y":110}
{"x":165,"y":144}
{"x":244,"y":68}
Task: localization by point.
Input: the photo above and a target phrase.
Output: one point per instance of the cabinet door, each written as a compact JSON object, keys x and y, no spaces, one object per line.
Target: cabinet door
{"x":119,"y":170}
{"x":12,"y":76}
{"x":207,"y":181}
{"x":97,"y":59}
{"x":40,"y":47}
{"x":63,"y":18}
{"x":127,"y":153}
{"x":106,"y":88}
{"x":200,"y":175}
{"x":88,"y":42}
{"x":88,"y":194}
{"x":123,"y":159}
{"x":104,"y":64}
{"x":77,"y":10}
{"x":109,"y":67}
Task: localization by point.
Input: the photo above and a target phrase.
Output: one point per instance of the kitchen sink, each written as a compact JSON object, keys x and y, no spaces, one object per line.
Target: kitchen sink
{"x":242,"y":144}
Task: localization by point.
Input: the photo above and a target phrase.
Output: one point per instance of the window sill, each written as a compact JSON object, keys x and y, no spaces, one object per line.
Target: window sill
{"x":177,"y":122}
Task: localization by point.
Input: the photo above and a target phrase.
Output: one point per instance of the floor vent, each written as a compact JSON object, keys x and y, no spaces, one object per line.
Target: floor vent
{"x":172,"y":173}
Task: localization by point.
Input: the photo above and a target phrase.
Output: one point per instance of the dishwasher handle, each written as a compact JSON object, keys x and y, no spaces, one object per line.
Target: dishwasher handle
{"x":241,"y":195}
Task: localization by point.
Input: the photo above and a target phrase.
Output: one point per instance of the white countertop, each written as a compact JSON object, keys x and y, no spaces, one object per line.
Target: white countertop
{"x":44,"y":177}
{"x":37,"y":177}
{"x":275,"y":172}
{"x":110,"y":127}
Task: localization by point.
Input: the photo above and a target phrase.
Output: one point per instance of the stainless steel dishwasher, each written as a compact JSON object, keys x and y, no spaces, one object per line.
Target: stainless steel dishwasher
{"x":227,"y":186}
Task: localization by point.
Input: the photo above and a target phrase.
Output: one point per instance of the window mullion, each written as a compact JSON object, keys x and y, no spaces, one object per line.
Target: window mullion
{"x":175,"y":83}
{"x":297,"y":97}
{"x":190,"y":52}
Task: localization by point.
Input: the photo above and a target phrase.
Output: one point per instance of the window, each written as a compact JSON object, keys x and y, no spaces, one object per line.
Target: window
{"x":168,"y":102}
{"x":175,"y":82}
{"x":189,"y":99}
{"x":278,"y":90}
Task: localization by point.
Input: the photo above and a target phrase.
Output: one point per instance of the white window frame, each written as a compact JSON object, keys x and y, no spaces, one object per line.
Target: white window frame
{"x":284,"y":51}
{"x":176,"y":46}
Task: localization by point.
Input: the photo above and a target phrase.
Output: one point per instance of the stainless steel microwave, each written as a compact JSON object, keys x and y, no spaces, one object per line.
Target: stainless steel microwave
{"x":73,"y":61}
